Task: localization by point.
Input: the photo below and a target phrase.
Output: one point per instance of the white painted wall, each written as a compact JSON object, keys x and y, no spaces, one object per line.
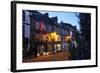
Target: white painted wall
{"x":27,"y":18}
{"x":5,"y":36}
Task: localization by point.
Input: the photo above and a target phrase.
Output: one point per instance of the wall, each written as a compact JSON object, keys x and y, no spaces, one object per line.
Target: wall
{"x":5,"y":36}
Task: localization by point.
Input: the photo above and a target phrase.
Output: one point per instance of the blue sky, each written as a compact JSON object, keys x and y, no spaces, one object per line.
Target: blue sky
{"x":67,"y":17}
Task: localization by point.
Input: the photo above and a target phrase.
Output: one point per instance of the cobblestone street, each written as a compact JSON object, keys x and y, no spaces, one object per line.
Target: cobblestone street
{"x":59,"y":56}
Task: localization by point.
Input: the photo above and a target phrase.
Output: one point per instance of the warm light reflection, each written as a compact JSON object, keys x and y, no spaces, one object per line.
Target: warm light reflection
{"x":53,"y":36}
{"x":68,"y":38}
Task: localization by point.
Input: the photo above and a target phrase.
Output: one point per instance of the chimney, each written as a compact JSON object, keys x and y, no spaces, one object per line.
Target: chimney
{"x":55,"y":19}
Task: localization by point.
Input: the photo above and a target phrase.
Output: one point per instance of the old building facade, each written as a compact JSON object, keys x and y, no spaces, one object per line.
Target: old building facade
{"x":45,"y":35}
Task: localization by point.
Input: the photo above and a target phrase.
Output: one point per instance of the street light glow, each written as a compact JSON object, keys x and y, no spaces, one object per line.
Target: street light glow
{"x":54,"y":36}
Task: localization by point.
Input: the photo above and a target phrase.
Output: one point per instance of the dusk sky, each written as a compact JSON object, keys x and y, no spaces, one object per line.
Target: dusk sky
{"x":67,"y":17}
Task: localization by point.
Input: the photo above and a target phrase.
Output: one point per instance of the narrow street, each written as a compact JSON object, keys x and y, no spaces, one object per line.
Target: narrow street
{"x":59,"y":56}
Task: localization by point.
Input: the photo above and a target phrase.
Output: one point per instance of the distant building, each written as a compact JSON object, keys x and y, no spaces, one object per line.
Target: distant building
{"x":69,"y":30}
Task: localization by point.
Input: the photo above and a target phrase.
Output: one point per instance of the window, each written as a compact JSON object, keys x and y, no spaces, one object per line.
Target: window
{"x":37,"y":25}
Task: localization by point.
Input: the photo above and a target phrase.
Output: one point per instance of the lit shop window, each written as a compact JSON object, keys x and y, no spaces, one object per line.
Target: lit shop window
{"x":58,"y":38}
